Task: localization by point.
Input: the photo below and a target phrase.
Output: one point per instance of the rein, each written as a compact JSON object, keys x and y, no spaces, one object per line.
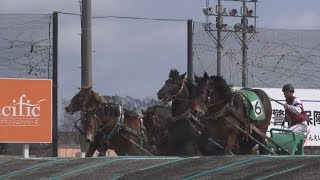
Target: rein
{"x":77,"y":127}
{"x":137,"y":145}
{"x":187,"y":114}
{"x":252,"y":138}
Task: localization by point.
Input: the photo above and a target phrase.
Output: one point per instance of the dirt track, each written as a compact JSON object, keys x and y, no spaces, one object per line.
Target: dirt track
{"x":218,"y":167}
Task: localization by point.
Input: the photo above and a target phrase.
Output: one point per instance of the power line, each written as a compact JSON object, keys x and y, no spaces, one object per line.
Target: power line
{"x":128,"y":17}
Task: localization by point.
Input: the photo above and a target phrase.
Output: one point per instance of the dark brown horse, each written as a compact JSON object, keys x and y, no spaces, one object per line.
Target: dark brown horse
{"x":184,"y":131}
{"x":179,"y":90}
{"x":155,"y":120}
{"x":227,"y":109}
{"x":123,"y":129}
{"x":86,"y":100}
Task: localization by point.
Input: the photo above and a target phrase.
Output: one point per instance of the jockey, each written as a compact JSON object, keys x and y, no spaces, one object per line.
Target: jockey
{"x":294,"y":111}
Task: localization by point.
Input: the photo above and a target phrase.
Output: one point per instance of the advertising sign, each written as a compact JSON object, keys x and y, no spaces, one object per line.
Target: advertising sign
{"x":26,"y":110}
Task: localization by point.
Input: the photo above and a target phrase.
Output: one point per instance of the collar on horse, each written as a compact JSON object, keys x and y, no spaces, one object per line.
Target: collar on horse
{"x":226,"y":110}
{"x":120,"y":125}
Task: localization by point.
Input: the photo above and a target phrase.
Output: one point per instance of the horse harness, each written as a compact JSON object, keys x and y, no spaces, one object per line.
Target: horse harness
{"x":227,"y":111}
{"x":89,"y":110}
{"x":118,"y":126}
{"x":163,"y":133}
{"x":121,"y":126}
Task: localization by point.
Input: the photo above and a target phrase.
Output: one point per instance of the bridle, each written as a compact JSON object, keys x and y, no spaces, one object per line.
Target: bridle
{"x":174,"y":96}
{"x":161,"y":133}
{"x":88,"y":111}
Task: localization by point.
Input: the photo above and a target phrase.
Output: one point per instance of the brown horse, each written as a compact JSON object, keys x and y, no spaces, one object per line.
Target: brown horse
{"x":155,"y":120}
{"x":184,"y":131}
{"x":87,"y":100}
{"x":123,"y":129}
{"x":227,"y":111}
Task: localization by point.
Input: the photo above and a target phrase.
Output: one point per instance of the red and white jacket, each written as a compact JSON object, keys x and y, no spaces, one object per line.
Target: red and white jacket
{"x":295,"y":111}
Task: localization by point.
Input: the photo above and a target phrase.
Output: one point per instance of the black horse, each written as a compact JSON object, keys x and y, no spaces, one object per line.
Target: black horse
{"x":184,"y":130}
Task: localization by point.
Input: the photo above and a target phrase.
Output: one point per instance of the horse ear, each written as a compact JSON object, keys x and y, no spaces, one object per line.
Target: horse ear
{"x":183,"y":75}
{"x":87,"y":88}
{"x":143,"y":112}
{"x":100,"y":98}
{"x":205,"y":75}
{"x":196,"y":78}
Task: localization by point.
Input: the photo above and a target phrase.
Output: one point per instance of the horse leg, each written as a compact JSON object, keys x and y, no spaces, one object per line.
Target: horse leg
{"x":231,"y":142}
{"x":103,"y":146}
{"x":92,"y":148}
{"x":102,"y":153}
{"x":262,"y":150}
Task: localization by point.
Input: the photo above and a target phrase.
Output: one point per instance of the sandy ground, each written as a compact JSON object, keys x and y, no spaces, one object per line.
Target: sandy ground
{"x":214,"y":167}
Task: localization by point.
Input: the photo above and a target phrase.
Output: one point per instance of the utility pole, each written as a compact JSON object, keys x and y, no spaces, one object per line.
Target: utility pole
{"x":86,"y":56}
{"x":189,"y":51}
{"x":240,"y":29}
{"x":244,"y":22}
{"x":86,"y":45}
{"x":219,"y":27}
{"x":55,"y":84}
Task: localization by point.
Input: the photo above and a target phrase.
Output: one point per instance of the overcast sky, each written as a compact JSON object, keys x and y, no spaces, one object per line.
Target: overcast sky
{"x":133,"y":57}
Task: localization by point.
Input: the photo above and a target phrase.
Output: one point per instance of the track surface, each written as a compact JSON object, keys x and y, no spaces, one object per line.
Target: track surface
{"x":214,"y":167}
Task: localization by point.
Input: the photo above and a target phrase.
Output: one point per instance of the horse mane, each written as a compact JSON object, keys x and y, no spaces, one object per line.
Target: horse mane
{"x":191,"y":88}
{"x":157,"y":106}
{"x":174,"y":73}
{"x":130,"y":113}
{"x":225,"y":90}
{"x":221,"y":86}
{"x":98,"y":97}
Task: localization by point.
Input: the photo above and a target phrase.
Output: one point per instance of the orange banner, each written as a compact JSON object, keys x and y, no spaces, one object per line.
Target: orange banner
{"x":26,"y":110}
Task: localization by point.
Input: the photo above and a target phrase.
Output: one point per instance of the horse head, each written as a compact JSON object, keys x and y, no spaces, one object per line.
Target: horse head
{"x":172,"y":87}
{"x":78,"y":101}
{"x":155,"y":121}
{"x":202,"y":92}
{"x":219,"y":91}
{"x":211,"y":90}
{"x":86,"y":100}
{"x":89,"y":125}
